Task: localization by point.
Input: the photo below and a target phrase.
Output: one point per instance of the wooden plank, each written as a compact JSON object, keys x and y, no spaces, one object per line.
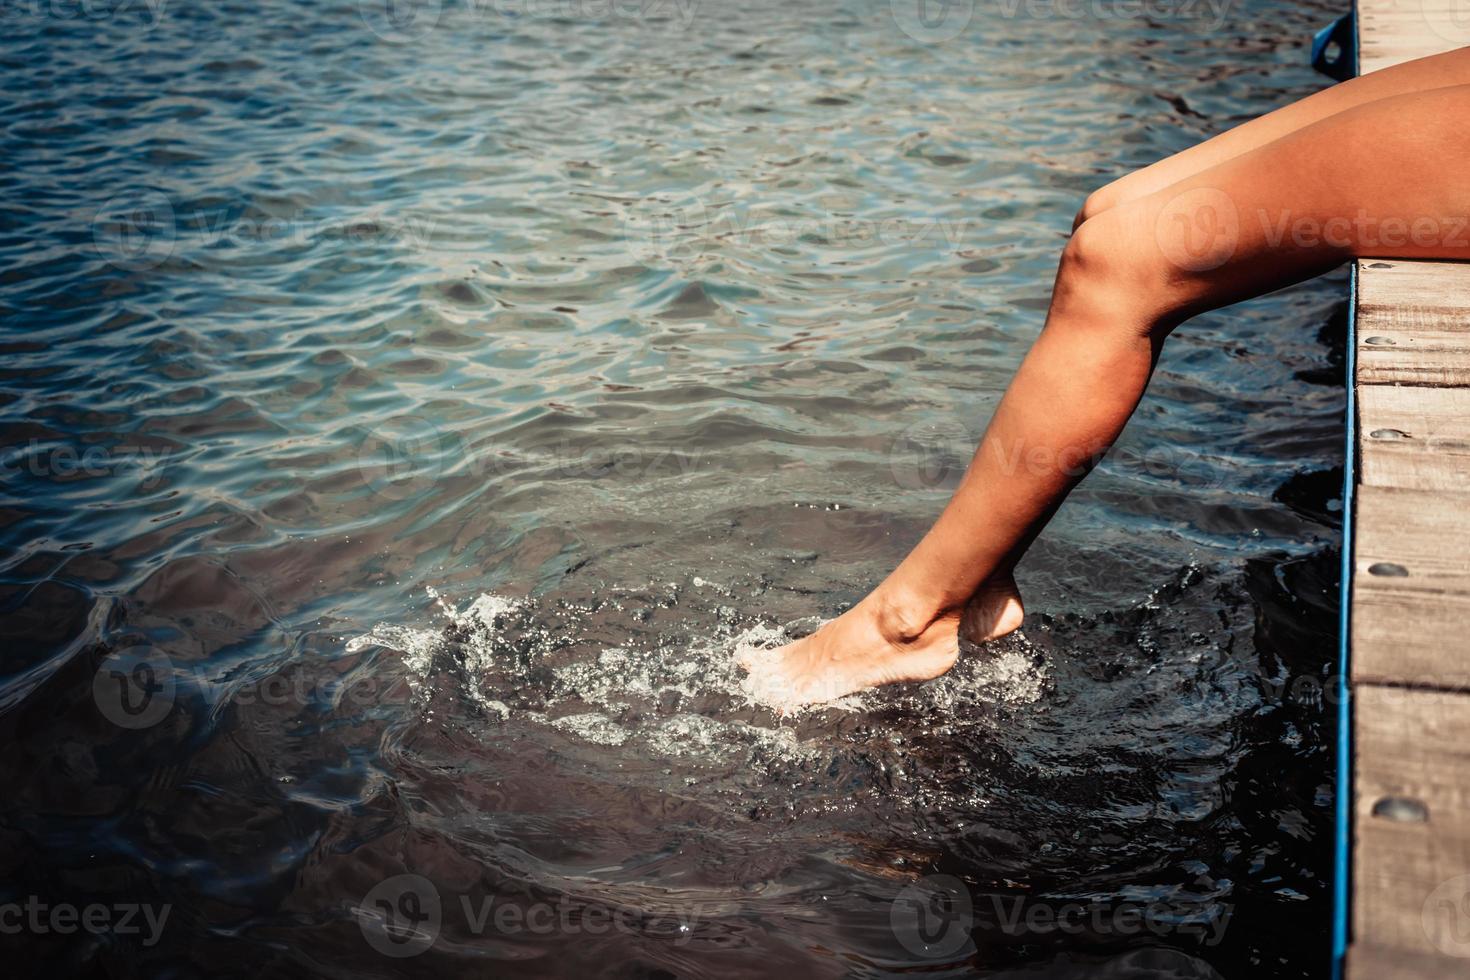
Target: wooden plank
{"x":1416,"y":438}
{"x":1386,"y":963}
{"x":1410,"y":584}
{"x":1394,"y":31}
{"x":1411,"y":864}
{"x":1410,"y":588}
{"x":1414,"y":322}
{"x":1377,"y":53}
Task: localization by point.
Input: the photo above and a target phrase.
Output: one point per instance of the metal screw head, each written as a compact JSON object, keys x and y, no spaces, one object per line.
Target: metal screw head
{"x":1401,"y":809}
{"x":1381,"y":341}
{"x":1388,"y":434}
{"x":1388,"y":569}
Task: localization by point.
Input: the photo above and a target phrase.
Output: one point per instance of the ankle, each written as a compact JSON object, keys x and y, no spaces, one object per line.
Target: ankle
{"x":903,"y":617}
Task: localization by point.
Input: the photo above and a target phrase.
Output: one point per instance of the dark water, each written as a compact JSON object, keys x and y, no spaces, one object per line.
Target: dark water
{"x":406,"y":417}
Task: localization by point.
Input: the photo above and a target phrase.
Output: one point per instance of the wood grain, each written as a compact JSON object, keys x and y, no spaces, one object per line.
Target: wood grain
{"x":1411,"y":588}
{"x":1394,"y":31}
{"x":1386,"y":963}
{"x":1410,"y":585}
{"x":1413,"y":322}
{"x":1414,"y":437}
{"x":1412,"y":876}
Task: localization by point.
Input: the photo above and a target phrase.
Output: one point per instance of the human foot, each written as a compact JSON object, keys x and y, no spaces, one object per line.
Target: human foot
{"x":880,"y":641}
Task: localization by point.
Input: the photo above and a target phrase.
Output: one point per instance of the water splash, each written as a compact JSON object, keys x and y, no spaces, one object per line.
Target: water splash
{"x":595,"y":671}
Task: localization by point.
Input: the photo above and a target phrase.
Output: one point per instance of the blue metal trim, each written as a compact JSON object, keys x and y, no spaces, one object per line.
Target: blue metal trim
{"x":1335,"y":49}
{"x":1342,"y":884}
{"x":1342,"y":869}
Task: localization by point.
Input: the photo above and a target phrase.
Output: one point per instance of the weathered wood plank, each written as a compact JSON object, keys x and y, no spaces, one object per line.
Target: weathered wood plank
{"x":1395,"y":31}
{"x":1410,"y":589}
{"x":1400,"y":282}
{"x":1375,"y":54}
{"x":1411,"y":863}
{"x":1416,"y":438}
{"x":1410,"y":586}
{"x":1414,"y":322}
{"x":1386,"y":963}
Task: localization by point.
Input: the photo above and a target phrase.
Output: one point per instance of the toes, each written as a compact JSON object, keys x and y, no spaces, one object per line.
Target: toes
{"x":753,"y":659}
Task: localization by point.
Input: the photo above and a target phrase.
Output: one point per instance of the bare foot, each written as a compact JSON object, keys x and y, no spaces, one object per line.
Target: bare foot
{"x":879,"y":641}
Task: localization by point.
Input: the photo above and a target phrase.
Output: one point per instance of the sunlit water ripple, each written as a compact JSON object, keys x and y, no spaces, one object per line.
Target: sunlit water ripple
{"x":433,"y":406}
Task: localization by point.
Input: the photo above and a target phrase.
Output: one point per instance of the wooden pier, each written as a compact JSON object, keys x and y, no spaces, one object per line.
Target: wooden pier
{"x":1409,"y":584}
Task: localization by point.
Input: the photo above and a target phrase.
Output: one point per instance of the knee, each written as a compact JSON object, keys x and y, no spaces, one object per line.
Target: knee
{"x":1096,"y":203}
{"x":1102,"y":256}
{"x":1112,"y":277}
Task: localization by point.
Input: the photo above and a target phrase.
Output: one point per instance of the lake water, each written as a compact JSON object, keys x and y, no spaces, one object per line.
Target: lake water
{"x":407,"y":411}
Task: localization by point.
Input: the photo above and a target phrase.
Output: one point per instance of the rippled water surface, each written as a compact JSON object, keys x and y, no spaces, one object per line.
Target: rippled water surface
{"x":407,"y":413}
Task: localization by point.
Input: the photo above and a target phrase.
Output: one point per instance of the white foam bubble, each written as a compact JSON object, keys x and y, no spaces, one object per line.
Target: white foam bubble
{"x":622,"y":695}
{"x":421,"y":645}
{"x":592,"y":727}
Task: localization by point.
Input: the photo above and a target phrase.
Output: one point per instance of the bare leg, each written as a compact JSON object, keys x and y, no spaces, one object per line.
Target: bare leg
{"x":1423,"y":74}
{"x":1385,"y":178}
{"x":1000,"y":610}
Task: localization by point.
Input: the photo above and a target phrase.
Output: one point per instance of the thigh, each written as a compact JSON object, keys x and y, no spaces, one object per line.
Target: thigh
{"x":1384,"y":179}
{"x":1422,"y":74}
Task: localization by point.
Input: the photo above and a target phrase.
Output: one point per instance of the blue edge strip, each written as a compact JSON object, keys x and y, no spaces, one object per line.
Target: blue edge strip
{"x":1341,"y":878}
{"x":1342,"y":868}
